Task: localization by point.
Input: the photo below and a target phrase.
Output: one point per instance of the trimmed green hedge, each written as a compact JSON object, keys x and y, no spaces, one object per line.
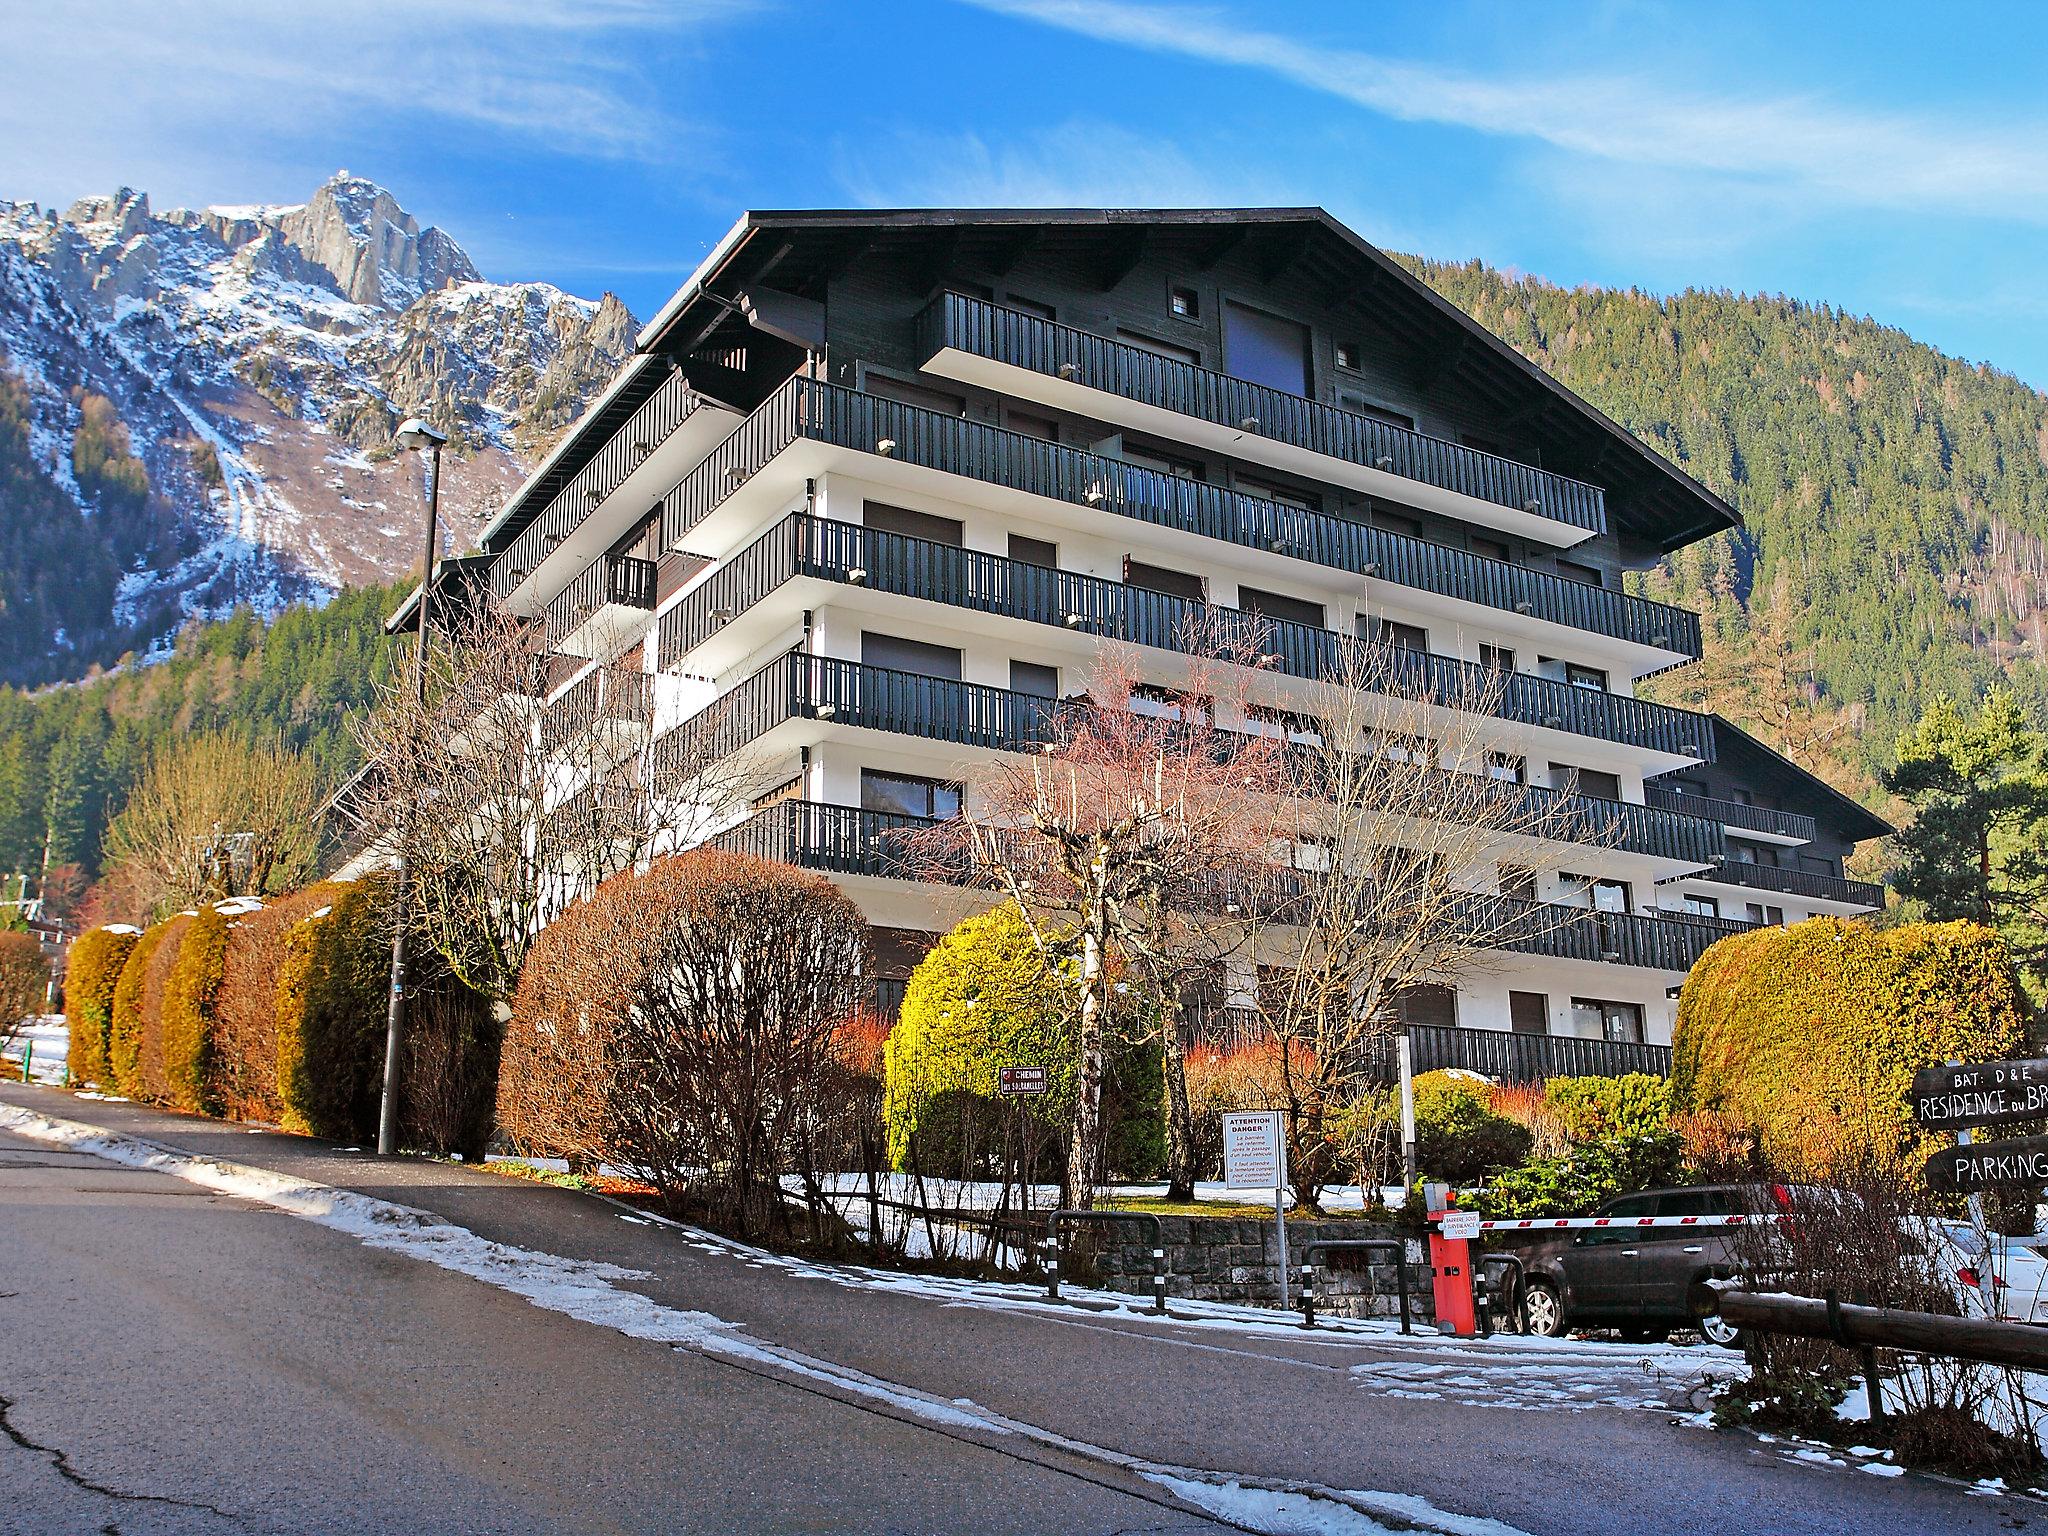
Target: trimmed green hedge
{"x":1811,"y":1034}
{"x":90,"y":975}
{"x":1594,"y":1108}
{"x":1458,"y":1137}
{"x":331,"y":996}
{"x":128,"y":1023}
{"x":191,"y":991}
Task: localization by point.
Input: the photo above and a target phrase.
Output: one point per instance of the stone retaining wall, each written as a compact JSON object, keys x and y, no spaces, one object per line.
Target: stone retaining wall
{"x":1233,"y":1259}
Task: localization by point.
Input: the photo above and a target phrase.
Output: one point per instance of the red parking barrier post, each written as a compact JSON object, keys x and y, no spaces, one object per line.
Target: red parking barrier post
{"x":1450,"y":1258}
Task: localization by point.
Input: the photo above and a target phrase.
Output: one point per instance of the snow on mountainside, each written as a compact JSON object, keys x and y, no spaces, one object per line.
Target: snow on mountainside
{"x":214,"y":392}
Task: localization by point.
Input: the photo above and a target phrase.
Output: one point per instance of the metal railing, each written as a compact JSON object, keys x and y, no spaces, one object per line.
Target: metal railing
{"x":1003,"y":335}
{"x":1150,"y":1222}
{"x":1733,"y":813}
{"x":1796,"y":882}
{"x":804,"y":545}
{"x":1513,"y":1058}
{"x":1396,"y":1245}
{"x":608,"y":581}
{"x":647,"y":429}
{"x":809,"y":410}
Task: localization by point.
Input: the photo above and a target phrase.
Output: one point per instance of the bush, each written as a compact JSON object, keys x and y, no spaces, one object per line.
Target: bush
{"x":1594,"y":1108}
{"x":244,"y":1082}
{"x":1458,"y":1137}
{"x":191,"y":989}
{"x":1574,"y":1184}
{"x":448,"y":1065}
{"x":1221,"y":1081}
{"x":90,"y":975}
{"x":1956,"y":1443}
{"x":1811,"y":1034}
{"x":151,"y":1071}
{"x":331,"y":1000}
{"x":24,"y":979}
{"x":135,"y":1038}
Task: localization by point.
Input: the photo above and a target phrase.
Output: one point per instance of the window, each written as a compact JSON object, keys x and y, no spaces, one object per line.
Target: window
{"x":1272,"y":490}
{"x":1610,"y":895}
{"x":1265,"y":349}
{"x":1163,"y":703}
{"x":1814,"y":864}
{"x":1035,"y":551}
{"x":1506,"y":768}
{"x":1397,"y":522}
{"x":1347,"y":354}
{"x":1598,"y":1019}
{"x":1406,"y":637}
{"x":1031,"y":307}
{"x":1742,"y":797}
{"x":643,"y":541}
{"x":902,"y":794}
{"x":1275,"y":605}
{"x":1282,"y":725}
{"x":1426,"y":1003}
{"x":1492,"y":549}
{"x":917,"y":525}
{"x":1684,"y":786}
{"x":1740,"y":852}
{"x":1042,"y":427}
{"x":1039,"y":681}
{"x":1757,"y":912}
{"x":1165,"y":462}
{"x":1159,"y":348}
{"x":1518,"y":882}
{"x":1311,"y":854}
{"x":945,"y":403}
{"x":1185,"y":303}
{"x":1702,"y":906}
{"x":1577,"y":572}
{"x":1358,"y":405}
{"x":910,"y":656}
{"x":1498,"y":657}
{"x":1585,"y":677}
{"x":1399,"y":749}
{"x":1529,"y":1013}
{"x":1586,"y":781}
{"x":1157,"y":578}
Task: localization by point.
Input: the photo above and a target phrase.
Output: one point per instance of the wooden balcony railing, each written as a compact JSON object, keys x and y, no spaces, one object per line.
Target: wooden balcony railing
{"x":620,"y":581}
{"x":1797,"y":882}
{"x":1733,"y":813}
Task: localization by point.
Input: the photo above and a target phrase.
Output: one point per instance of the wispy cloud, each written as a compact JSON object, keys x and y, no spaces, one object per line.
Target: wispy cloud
{"x":1816,"y":145}
{"x":190,"y":86}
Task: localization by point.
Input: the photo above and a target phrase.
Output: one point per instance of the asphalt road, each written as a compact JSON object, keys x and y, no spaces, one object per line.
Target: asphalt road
{"x":174,"y":1360}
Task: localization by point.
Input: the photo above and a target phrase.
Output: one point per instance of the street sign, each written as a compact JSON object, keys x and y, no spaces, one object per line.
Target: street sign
{"x":1983,"y":1093}
{"x":1989,"y":1165}
{"x":1460,"y":1225}
{"x":1251,"y":1151}
{"x":1020,"y":1080}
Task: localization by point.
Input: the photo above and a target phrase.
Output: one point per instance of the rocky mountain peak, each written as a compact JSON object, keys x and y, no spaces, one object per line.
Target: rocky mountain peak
{"x":375,"y":251}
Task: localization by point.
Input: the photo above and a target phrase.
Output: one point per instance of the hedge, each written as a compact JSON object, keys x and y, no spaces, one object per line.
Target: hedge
{"x":90,"y":975}
{"x":1458,"y":1137}
{"x":243,"y":1078}
{"x":1811,"y":1034}
{"x":152,"y":1067}
{"x":331,"y":997}
{"x":129,"y":1019}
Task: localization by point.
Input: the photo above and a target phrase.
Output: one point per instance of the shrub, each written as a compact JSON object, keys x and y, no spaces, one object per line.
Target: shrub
{"x":1220,"y":1081}
{"x":191,"y":989}
{"x":1574,"y":1184}
{"x":1458,"y":1137}
{"x":24,"y":979}
{"x":981,"y":999}
{"x":156,"y":978}
{"x":244,"y":1082}
{"x":89,"y":978}
{"x":136,"y":1038}
{"x":1811,"y":1034}
{"x":1956,"y":1442}
{"x":448,"y":1065}
{"x":1594,"y":1108}
{"x":331,"y":999}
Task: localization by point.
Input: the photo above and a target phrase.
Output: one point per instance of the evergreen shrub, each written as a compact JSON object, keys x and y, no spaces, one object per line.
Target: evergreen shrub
{"x":1458,"y":1137}
{"x":1594,"y":1108}
{"x":191,"y":992}
{"x":90,"y":975}
{"x":152,"y":1075}
{"x":1810,"y":1035}
{"x":331,"y":1000}
{"x":243,"y":1081}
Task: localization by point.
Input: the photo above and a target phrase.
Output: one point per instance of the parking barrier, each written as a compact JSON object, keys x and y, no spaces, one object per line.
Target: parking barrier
{"x":1052,"y":1245}
{"x":1352,"y":1244}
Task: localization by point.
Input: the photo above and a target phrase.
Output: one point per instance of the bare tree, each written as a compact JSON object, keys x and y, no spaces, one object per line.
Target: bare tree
{"x":1393,"y":872}
{"x":214,"y":816}
{"x":1116,"y":838}
{"x":24,"y":976}
{"x":517,"y":784}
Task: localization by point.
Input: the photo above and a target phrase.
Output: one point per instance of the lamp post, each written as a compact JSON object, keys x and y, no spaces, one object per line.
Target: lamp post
{"x":413,"y":436}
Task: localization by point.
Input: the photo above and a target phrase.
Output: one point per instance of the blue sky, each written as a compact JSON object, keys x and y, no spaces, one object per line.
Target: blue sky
{"x":1889,"y":158}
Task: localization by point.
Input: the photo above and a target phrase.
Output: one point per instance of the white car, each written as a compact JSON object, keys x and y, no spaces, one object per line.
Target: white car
{"x":2018,"y":1270}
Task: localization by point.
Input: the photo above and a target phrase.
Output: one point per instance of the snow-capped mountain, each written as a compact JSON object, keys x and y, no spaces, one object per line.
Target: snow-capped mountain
{"x":210,"y":395}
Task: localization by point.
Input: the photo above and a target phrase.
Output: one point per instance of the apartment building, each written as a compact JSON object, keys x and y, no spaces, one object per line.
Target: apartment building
{"x":877,"y":486}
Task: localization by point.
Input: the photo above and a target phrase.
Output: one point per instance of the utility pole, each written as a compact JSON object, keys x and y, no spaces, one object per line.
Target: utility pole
{"x":413,"y":435}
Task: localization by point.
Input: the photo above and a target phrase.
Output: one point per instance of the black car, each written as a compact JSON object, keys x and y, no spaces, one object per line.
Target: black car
{"x":1635,"y":1280}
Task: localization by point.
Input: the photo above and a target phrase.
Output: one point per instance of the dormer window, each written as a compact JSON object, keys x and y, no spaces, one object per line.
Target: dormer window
{"x":1185,"y":303}
{"x":1347,"y":355}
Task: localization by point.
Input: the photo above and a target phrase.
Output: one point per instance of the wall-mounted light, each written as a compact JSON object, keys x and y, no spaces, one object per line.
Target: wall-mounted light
{"x":723,"y":615}
{"x":1068,"y":370}
{"x":1095,"y":495}
{"x":826,"y":711}
{"x":1384,"y":461}
{"x":1532,"y":505}
{"x":1523,"y":605}
{"x":1076,"y":620}
{"x":1248,"y":424}
{"x":735,"y":475}
{"x":885,"y":446}
{"x":1372,"y":567}
{"x":1660,"y":638}
{"x":857,"y":574}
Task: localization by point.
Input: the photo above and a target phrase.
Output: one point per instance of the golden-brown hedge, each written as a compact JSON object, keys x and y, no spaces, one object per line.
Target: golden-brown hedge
{"x":153,"y":1079}
{"x":244,"y":1066}
{"x":130,"y":1013}
{"x":90,"y":973}
{"x":191,"y":992}
{"x":331,"y":993}
{"x":1811,"y":1034}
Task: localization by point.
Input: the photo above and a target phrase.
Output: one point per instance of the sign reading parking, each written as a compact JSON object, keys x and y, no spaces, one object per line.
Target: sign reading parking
{"x":1020,"y":1080}
{"x":1971,"y":1169}
{"x":1251,"y":1151}
{"x":1983,"y":1093}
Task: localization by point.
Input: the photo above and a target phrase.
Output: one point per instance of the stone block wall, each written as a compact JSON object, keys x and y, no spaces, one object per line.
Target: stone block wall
{"x":1234,"y":1259}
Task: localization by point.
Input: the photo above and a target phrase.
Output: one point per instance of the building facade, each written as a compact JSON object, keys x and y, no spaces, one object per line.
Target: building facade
{"x":878,"y":486}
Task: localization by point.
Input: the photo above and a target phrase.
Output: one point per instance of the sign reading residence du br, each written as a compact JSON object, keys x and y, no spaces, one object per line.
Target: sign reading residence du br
{"x":1251,"y":1151}
{"x":1983,"y":1093}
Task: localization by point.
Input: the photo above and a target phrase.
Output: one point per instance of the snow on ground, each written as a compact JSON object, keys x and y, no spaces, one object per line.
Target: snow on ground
{"x":47,"y":1043}
{"x":591,"y":1292}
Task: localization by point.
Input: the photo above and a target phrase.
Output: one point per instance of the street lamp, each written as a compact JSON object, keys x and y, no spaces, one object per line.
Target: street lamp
{"x":413,"y":435}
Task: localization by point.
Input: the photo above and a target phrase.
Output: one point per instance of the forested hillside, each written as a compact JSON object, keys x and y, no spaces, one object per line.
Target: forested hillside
{"x":1895,"y":501}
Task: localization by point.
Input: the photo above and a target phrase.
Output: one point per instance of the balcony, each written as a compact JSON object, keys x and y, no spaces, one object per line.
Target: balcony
{"x":974,"y":714}
{"x":614,"y":707}
{"x":1107,"y":380}
{"x":805,"y":410}
{"x":1495,"y":1053}
{"x":1797,"y":882}
{"x":845,"y":840}
{"x":603,"y":611}
{"x":632,"y":446}
{"x":845,"y":553}
{"x":1786,"y":826}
